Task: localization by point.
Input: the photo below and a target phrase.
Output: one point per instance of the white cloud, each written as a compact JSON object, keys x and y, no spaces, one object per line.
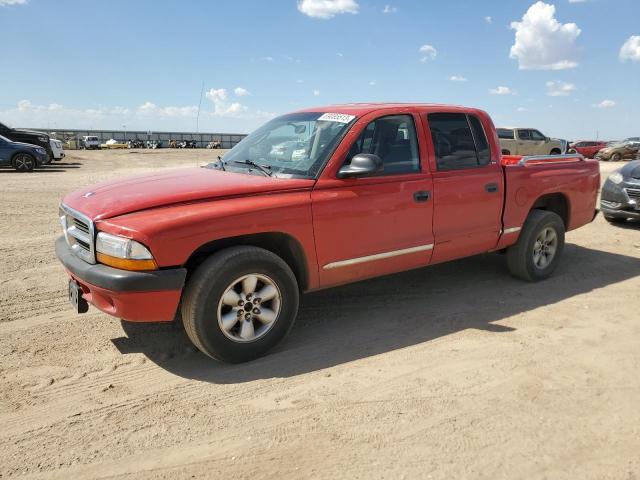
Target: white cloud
{"x":428,"y":52}
{"x":543,"y":43}
{"x":327,"y":8}
{"x":630,"y":49}
{"x":316,"y":93}
{"x":457,"y":78}
{"x":373,"y":83}
{"x":558,"y":88}
{"x":225,"y":117}
{"x":604,"y":104}
{"x":221,"y":107}
{"x":5,"y":3}
{"x":340,"y":54}
{"x":488,"y":19}
{"x":389,"y":9}
{"x":151,"y":109}
{"x":577,"y":1}
{"x":266,"y":59}
{"x":501,"y":91}
{"x":241,"y":92}
{"x":521,"y":109}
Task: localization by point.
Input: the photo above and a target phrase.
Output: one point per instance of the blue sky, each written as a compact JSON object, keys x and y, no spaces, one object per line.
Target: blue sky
{"x":82,"y":64}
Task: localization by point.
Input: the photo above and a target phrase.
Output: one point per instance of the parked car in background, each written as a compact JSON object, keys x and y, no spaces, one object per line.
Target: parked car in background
{"x":90,"y":142}
{"x":57,"y":149}
{"x":370,"y":190}
{"x":24,"y":157}
{"x":620,"y":199}
{"x":28,"y":136}
{"x":588,"y":148}
{"x":527,"y":141}
{"x":619,"y":151}
{"x":112,"y":144}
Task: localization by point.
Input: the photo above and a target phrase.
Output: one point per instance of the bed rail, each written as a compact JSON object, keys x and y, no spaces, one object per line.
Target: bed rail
{"x":566,"y":158}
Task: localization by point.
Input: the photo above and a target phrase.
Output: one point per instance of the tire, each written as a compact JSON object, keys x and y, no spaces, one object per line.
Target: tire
{"x":523,"y":260}
{"x":555,"y":151}
{"x":506,"y":152}
{"x":216,"y":293}
{"x":23,"y":162}
{"x":616,"y":157}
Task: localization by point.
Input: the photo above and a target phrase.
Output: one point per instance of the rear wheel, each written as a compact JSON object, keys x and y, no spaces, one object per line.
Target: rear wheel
{"x":539,"y":247}
{"x":555,"y":151}
{"x":616,"y":157}
{"x":240,"y":303}
{"x":23,"y":162}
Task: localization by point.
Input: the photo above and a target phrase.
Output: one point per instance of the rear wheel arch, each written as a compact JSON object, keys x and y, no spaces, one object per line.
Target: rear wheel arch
{"x":281,"y":244}
{"x":556,"y":203}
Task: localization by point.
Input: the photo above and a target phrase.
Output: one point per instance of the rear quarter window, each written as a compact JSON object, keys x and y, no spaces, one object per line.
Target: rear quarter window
{"x":505,"y":133}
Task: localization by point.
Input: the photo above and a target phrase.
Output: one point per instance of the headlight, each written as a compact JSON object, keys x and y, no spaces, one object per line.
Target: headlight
{"x":43,"y":139}
{"x":616,"y":177}
{"x":41,"y":150}
{"x":124,"y":253}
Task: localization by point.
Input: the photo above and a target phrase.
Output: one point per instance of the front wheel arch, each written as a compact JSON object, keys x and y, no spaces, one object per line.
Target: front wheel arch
{"x":281,"y":244}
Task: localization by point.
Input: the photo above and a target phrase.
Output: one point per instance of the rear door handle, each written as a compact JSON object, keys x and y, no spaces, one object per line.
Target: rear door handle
{"x":491,"y":187}
{"x":422,"y":196}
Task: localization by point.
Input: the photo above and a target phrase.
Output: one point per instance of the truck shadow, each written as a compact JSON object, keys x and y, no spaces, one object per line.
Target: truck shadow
{"x":376,"y":316}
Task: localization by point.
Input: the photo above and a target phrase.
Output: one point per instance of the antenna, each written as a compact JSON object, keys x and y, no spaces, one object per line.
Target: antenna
{"x":198,"y":119}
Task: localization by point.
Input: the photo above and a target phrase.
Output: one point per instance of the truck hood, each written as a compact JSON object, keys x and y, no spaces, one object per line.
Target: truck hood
{"x":185,"y":185}
{"x":631,"y":170}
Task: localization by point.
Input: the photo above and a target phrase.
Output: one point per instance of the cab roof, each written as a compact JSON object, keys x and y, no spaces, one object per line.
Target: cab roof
{"x":360,"y":109}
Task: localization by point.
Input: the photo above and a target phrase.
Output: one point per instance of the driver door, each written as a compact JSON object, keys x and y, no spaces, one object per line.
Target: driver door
{"x":378,"y":224}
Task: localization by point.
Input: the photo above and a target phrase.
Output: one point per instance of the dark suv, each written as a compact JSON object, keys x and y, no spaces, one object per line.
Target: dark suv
{"x":24,"y":157}
{"x":28,"y":136}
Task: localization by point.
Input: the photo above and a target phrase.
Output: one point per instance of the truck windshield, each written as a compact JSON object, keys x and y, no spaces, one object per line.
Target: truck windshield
{"x":293,"y":145}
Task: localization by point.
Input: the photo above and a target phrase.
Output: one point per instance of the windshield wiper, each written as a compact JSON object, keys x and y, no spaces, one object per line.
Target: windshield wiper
{"x":264,"y":169}
{"x":221,"y":163}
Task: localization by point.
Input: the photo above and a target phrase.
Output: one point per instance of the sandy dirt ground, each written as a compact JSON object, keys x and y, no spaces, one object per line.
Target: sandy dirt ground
{"x":454,"y":371}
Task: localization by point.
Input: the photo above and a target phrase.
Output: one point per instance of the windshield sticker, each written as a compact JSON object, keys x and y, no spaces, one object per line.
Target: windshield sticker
{"x":336,"y":117}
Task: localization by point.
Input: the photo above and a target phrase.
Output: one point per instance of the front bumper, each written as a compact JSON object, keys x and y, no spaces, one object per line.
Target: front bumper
{"x":616,"y":202}
{"x":151,"y":296}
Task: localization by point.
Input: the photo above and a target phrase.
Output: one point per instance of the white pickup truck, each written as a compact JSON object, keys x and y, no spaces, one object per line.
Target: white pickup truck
{"x":528,"y":141}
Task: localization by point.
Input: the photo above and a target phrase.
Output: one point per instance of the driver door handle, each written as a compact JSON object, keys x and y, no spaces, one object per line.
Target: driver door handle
{"x":422,"y":196}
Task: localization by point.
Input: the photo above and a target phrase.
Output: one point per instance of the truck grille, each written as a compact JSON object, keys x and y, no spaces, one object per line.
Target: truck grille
{"x":634,"y":193}
{"x":78,"y":232}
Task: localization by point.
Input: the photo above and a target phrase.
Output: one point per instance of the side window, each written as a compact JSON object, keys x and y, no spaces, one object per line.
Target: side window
{"x":505,"y":133}
{"x":482,"y":145}
{"x":524,"y":135}
{"x":537,"y":136}
{"x":394,"y":140}
{"x":453,"y":141}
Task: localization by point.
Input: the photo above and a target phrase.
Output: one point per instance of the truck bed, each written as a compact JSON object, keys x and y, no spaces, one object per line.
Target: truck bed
{"x":569,"y":181}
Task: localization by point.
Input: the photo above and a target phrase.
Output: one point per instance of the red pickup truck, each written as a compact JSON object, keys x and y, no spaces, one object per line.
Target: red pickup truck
{"x":313,"y":199}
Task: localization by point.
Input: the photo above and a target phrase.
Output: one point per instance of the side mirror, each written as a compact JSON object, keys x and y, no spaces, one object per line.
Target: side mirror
{"x":362,"y":165}
{"x":547,"y":139}
{"x":300,"y":129}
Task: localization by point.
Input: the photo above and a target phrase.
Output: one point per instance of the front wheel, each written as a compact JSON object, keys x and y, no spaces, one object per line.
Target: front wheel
{"x":240,"y":303}
{"x":555,"y":151}
{"x":23,"y":162}
{"x":616,"y":157}
{"x":535,"y":256}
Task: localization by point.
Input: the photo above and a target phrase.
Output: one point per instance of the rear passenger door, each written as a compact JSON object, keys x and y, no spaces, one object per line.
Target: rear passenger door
{"x":525,"y":144}
{"x":468,"y":188}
